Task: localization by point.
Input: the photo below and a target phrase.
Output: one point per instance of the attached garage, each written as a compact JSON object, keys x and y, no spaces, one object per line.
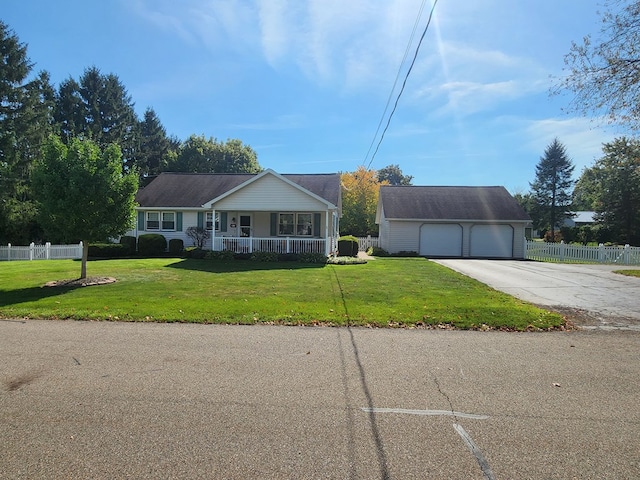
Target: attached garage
{"x":441,"y":240}
{"x":464,"y":222}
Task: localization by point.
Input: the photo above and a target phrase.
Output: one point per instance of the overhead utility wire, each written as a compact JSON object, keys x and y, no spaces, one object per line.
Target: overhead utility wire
{"x":395,"y":82}
{"x":426,"y":28}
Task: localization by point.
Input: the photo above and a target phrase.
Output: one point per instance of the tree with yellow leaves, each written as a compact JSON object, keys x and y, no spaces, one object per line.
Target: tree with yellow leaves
{"x":359,"y":202}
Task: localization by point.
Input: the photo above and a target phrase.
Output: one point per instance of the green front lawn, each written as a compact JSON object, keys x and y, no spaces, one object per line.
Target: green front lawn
{"x":383,"y":292}
{"x":628,"y":273}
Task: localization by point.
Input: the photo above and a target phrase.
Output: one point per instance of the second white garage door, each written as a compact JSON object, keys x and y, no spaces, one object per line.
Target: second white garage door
{"x":492,"y":241}
{"x":441,"y":240}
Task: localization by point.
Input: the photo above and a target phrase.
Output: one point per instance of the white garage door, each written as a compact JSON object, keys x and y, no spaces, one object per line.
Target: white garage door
{"x":493,"y":241}
{"x":441,"y":240}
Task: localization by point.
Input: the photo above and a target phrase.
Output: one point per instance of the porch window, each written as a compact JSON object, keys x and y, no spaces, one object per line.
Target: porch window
{"x":210,"y":223}
{"x":153,"y":221}
{"x":296,"y":224}
{"x":304,"y":225}
{"x":286,"y":224}
{"x":168,"y":221}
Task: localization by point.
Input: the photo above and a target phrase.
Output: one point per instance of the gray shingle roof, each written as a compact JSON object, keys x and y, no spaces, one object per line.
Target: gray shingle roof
{"x":191,"y":190}
{"x":450,"y":203}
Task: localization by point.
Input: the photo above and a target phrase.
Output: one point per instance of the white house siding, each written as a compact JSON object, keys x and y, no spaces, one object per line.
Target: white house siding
{"x":269,"y":193}
{"x":402,"y":236}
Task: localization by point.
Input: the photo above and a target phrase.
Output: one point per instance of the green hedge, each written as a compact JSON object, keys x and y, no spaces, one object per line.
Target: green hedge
{"x":152,"y":244}
{"x":107,"y":250}
{"x":348,"y":246}
{"x":129,"y":243}
{"x":176,"y":246}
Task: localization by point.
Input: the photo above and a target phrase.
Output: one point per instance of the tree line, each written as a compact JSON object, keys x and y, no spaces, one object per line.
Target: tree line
{"x":95,"y":107}
{"x":610,"y":188}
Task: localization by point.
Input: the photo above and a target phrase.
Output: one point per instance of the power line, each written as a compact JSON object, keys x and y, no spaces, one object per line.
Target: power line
{"x":395,"y":82}
{"x":404,"y":83}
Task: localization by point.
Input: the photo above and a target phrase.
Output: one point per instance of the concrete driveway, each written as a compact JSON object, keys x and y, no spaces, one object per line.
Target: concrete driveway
{"x":591,"y":294}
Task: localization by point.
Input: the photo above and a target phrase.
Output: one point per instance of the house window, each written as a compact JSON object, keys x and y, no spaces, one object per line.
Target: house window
{"x":298,"y":224}
{"x":153,"y":221}
{"x":209,"y":221}
{"x":168,"y":221}
{"x":161,"y":221}
{"x":286,"y":224}
{"x":304,"y":225}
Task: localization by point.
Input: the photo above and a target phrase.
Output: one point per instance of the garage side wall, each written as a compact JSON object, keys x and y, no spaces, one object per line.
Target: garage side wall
{"x":400,"y":236}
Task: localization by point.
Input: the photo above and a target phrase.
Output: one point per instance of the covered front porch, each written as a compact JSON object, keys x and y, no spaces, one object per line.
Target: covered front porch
{"x":275,"y":232}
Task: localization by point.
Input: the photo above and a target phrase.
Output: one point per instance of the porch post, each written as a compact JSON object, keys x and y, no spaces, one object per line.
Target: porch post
{"x":213,"y":227}
{"x":327,"y":233}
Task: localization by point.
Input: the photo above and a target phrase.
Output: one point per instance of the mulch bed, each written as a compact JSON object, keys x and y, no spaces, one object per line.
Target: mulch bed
{"x":81,"y":282}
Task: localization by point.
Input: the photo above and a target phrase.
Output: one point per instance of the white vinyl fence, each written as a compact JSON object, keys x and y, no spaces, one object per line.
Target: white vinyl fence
{"x":40,"y":252}
{"x":365,"y":242}
{"x":562,"y":252}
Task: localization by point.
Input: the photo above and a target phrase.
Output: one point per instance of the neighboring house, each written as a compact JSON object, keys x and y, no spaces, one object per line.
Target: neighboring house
{"x":244,"y":212}
{"x":481,"y":222}
{"x":580,"y":218}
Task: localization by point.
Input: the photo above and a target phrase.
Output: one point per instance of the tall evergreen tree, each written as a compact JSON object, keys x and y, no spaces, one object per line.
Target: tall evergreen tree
{"x":552,"y":186}
{"x":25,"y":121}
{"x":98,"y":107}
{"x":154,"y":150}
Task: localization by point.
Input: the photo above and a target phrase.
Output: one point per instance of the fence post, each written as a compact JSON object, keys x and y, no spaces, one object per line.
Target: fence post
{"x":81,"y":249}
{"x":31,"y":247}
{"x":8,"y":252}
{"x":626,"y":255}
{"x":601,"y":253}
{"x":47,"y":248}
{"x":562,"y":247}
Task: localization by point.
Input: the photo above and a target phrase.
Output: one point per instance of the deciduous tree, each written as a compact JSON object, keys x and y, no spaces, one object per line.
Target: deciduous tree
{"x":359,"y":202}
{"x":83,"y":193}
{"x":201,"y":155}
{"x":617,"y":189}
{"x":393,"y":175}
{"x":603,"y":73}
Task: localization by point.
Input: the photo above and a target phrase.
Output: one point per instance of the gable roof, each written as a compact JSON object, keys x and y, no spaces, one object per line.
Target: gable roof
{"x":193,"y":190}
{"x":449,"y":203}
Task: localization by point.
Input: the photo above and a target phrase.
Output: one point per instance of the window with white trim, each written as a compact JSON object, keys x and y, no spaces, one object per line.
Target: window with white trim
{"x":168,"y":221}
{"x":209,"y":221}
{"x":153,"y":221}
{"x":295,"y":224}
{"x":161,"y":221}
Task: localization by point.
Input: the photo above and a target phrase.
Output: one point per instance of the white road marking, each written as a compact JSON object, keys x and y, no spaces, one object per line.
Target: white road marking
{"x":449,"y":413}
{"x":487,"y":474}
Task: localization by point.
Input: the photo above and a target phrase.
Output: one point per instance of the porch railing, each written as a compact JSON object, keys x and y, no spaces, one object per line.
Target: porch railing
{"x":276,"y":245}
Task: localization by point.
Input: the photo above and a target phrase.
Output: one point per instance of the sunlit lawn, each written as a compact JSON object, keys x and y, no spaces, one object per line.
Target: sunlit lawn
{"x":629,"y":273}
{"x":405,"y":291}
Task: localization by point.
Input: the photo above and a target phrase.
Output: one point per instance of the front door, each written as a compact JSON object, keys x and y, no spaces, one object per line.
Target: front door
{"x":245,"y":225}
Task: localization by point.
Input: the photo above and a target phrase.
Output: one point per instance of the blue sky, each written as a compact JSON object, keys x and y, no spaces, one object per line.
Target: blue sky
{"x":305,"y":82}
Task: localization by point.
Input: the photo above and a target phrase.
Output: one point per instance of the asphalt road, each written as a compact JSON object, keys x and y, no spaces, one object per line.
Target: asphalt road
{"x":603,"y":298}
{"x":124,"y":400}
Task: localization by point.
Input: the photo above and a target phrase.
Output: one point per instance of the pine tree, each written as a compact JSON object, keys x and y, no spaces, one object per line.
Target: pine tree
{"x":25,"y":121}
{"x":154,"y":150}
{"x":552,"y":186}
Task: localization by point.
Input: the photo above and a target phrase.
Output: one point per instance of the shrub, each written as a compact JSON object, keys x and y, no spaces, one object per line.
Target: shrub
{"x":129,"y":244}
{"x":348,"y":246}
{"x":288,"y":257}
{"x":151,"y":244}
{"x":406,"y":253}
{"x":199,"y":236}
{"x":194,"y":252}
{"x":107,"y":250}
{"x":377,"y":252}
{"x":556,"y":238}
{"x":223,"y":255}
{"x":176,"y":245}
{"x":319,"y":258}
{"x":264,"y":257}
